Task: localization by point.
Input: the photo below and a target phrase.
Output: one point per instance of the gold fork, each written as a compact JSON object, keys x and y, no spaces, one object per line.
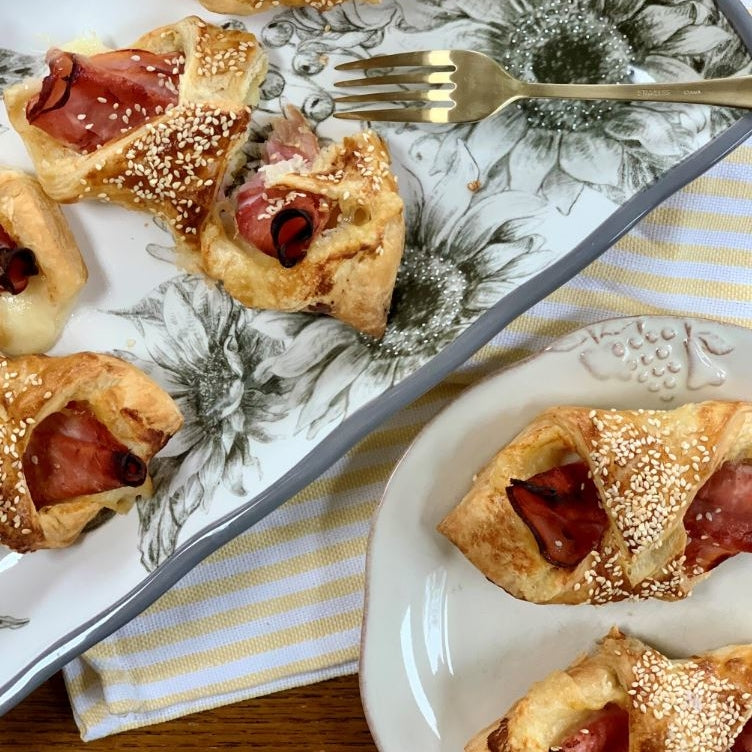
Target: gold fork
{"x":463,"y":86}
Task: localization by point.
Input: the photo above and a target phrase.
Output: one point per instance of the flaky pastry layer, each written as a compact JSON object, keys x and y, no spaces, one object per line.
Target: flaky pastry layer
{"x":349,"y":270}
{"x":173,"y":164}
{"x":31,"y":321}
{"x":647,"y":467}
{"x":136,"y":411}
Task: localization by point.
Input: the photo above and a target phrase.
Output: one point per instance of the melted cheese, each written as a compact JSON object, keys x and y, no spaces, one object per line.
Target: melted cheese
{"x":30,"y":322}
{"x":275,"y":170}
{"x":88,"y":45}
{"x":120,"y":500}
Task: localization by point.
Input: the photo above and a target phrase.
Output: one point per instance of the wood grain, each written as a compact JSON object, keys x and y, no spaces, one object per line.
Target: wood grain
{"x":325,"y":717}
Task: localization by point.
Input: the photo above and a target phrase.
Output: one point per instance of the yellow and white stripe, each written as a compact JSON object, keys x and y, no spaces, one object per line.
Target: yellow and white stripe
{"x":281,"y":605}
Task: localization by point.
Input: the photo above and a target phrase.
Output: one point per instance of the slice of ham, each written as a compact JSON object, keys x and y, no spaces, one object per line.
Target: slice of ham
{"x":606,"y":731}
{"x":291,"y":136}
{"x":562,"y":509}
{"x":86,"y":102}
{"x":16,"y":265}
{"x":71,"y":453}
{"x":279,"y":222}
{"x":743,"y":742}
{"x":719,"y":520}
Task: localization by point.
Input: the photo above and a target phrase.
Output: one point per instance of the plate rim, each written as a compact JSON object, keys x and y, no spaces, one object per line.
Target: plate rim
{"x":368,"y":417}
{"x":481,"y":383}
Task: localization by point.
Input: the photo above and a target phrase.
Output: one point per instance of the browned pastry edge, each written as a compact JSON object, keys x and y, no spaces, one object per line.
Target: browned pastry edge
{"x":197,"y":138}
{"x":349,"y":271}
{"x":672,"y":453}
{"x":137,"y":412}
{"x":662,"y":698}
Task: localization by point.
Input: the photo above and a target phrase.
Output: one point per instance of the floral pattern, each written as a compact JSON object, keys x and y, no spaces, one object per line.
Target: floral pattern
{"x":456,"y":265}
{"x":548,"y":147}
{"x":16,"y":66}
{"x":10,"y":622}
{"x":203,"y":348}
{"x":558,"y":148}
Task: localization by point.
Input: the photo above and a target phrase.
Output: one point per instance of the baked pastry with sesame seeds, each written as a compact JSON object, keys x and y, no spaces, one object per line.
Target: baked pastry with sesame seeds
{"x":319,"y":230}
{"x":41,"y":268}
{"x":77,"y":435}
{"x":151,"y":127}
{"x":627,"y":697}
{"x":590,"y":506}
{"x":246,"y":7}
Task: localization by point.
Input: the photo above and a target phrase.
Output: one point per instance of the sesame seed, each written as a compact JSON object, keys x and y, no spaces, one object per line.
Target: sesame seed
{"x":702,"y":712}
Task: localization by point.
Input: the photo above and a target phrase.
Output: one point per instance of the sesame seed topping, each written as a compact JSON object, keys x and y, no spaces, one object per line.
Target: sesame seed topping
{"x":703,"y":712}
{"x":651,"y":495}
{"x":172,"y":159}
{"x":13,"y":490}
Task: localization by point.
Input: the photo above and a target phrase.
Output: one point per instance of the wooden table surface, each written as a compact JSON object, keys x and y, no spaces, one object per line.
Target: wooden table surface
{"x":325,"y":717}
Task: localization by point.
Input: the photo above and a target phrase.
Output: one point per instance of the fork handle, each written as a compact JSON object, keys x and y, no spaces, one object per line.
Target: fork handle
{"x":729,"y":92}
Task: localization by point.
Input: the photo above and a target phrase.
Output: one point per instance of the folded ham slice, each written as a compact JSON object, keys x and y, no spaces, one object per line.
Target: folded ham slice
{"x":16,"y":265}
{"x":562,"y":509}
{"x":85,"y":102}
{"x":291,"y":136}
{"x":279,"y":222}
{"x":71,"y":454}
{"x":719,"y":521}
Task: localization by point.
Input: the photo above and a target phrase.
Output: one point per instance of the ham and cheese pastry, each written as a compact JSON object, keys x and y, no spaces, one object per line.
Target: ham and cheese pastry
{"x":152,"y":127}
{"x":314,"y":229}
{"x":627,"y":697}
{"x":41,"y":269}
{"x":77,"y":433}
{"x":592,"y":506}
{"x":246,"y":7}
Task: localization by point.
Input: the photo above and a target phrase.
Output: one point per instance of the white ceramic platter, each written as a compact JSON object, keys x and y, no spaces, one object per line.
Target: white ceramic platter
{"x":498,"y":214}
{"x":445,"y":652}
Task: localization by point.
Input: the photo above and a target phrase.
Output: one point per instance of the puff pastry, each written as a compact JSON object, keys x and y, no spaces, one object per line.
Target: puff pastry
{"x":40,"y":263}
{"x":590,"y":505}
{"x":179,"y":118}
{"x":627,"y":697}
{"x":77,"y":434}
{"x":246,"y":7}
{"x":317,"y":230}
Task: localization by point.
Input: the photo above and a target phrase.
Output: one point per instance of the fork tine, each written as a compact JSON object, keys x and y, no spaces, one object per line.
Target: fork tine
{"x":400,"y":115}
{"x":434,"y":77}
{"x":429,"y":95}
{"x":427,"y":58}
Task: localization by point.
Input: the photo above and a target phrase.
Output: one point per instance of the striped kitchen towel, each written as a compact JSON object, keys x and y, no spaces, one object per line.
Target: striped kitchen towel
{"x":280,"y":606}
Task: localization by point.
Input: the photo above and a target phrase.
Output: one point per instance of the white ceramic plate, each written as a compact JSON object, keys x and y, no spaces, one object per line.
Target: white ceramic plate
{"x":272,"y":400}
{"x":445,"y":652}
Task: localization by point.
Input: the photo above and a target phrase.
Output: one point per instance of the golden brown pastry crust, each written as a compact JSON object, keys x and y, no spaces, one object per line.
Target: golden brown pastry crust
{"x":31,"y":321}
{"x":223,"y":72}
{"x":667,"y":454}
{"x":662,"y":698}
{"x":135,"y":410}
{"x":246,"y":7}
{"x":348,"y":271}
